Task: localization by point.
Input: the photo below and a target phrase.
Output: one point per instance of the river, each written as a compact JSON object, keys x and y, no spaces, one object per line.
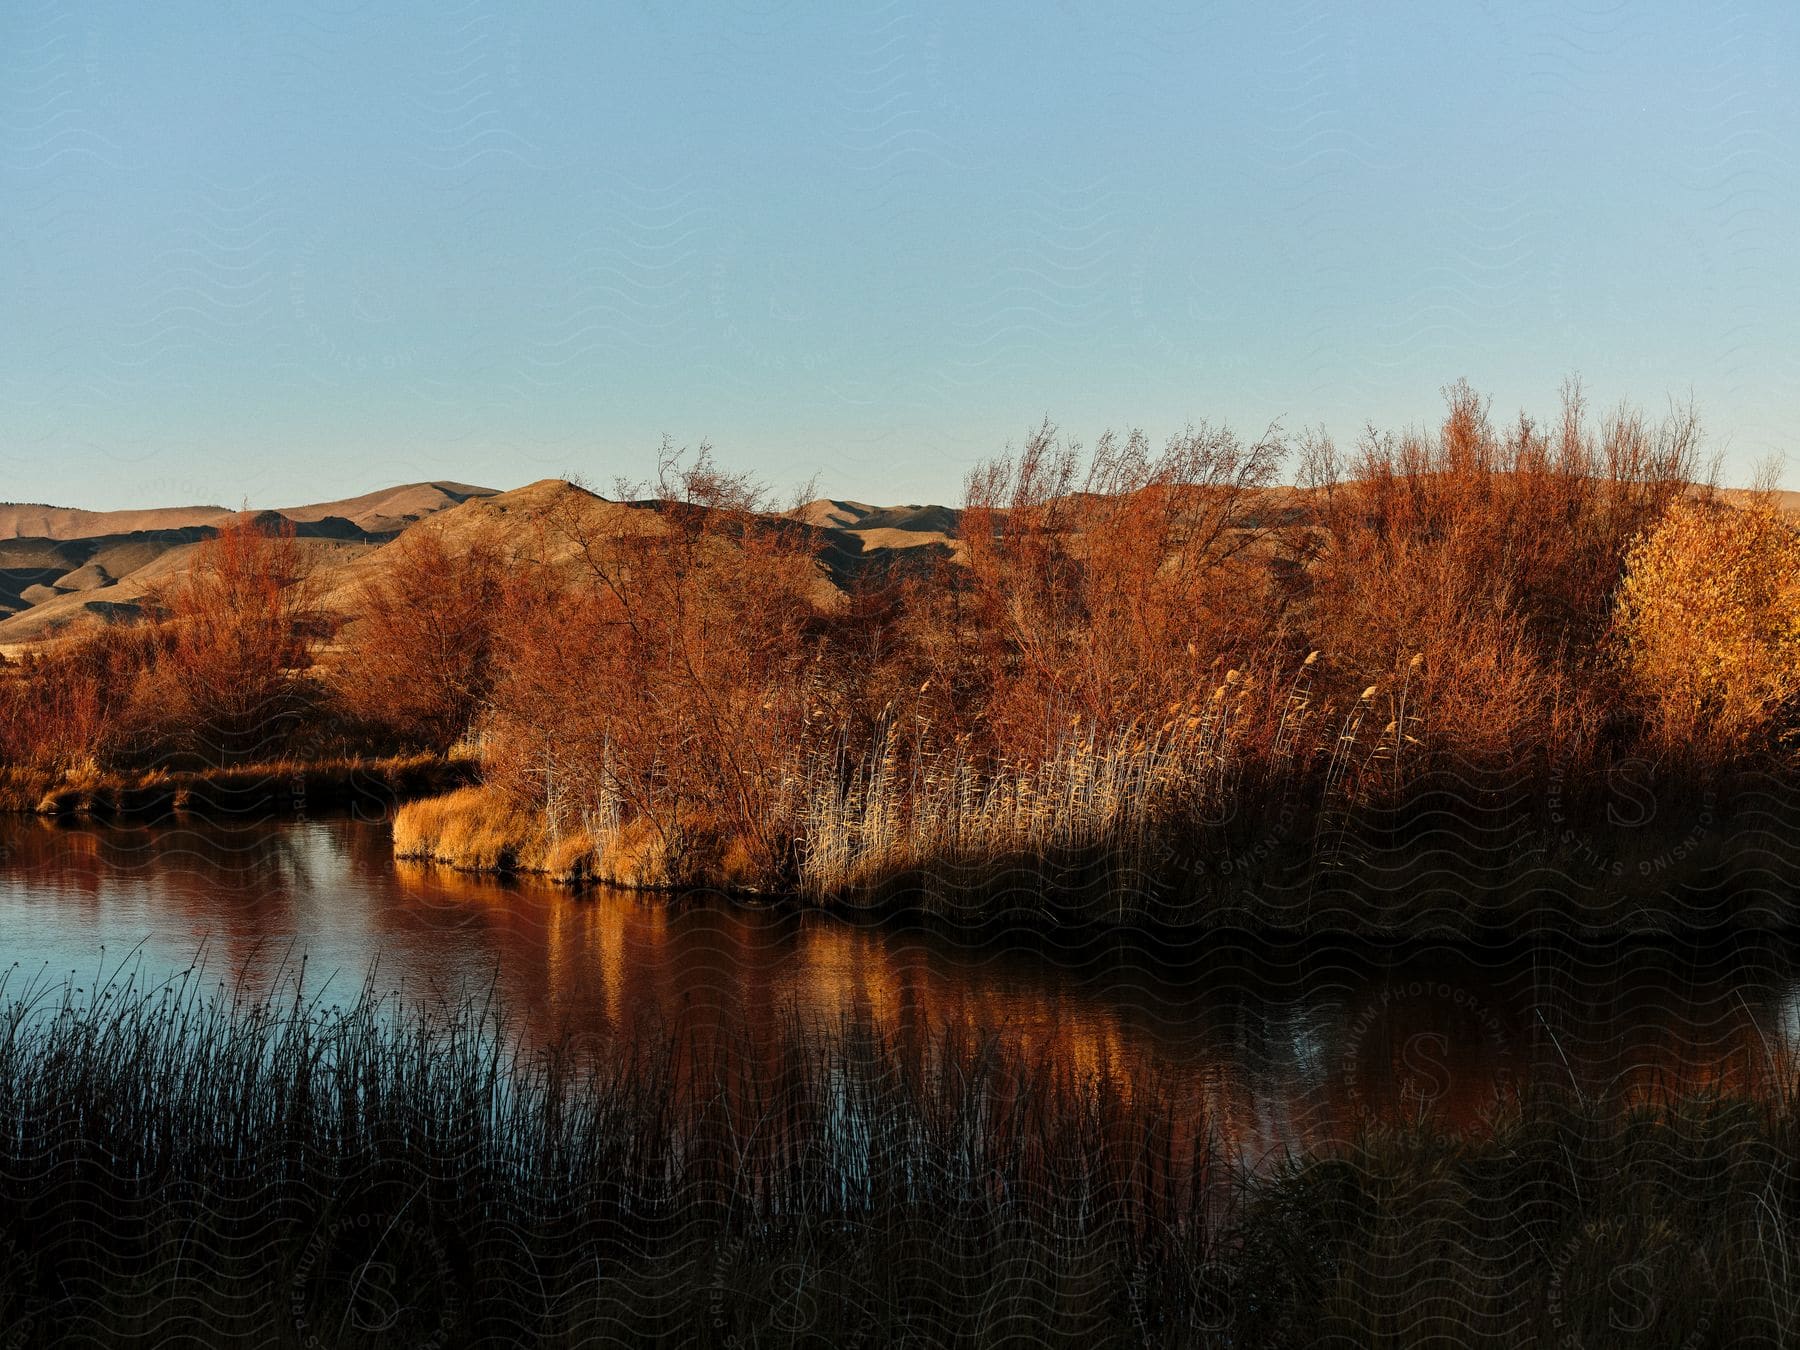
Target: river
{"x":1277,"y":1045}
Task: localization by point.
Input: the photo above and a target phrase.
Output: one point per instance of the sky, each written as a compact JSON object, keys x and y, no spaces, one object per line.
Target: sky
{"x":271,"y":253}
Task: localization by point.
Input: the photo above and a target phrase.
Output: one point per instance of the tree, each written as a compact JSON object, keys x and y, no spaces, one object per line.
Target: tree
{"x":661,"y":669}
{"x":231,"y":680}
{"x":418,"y":661}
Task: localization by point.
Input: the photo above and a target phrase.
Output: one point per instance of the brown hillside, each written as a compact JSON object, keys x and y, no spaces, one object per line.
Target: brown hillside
{"x":64,"y":570}
{"x":30,"y":520}
{"x":391,"y":509}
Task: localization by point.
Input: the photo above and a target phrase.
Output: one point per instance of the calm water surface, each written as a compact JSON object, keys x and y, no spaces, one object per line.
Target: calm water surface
{"x":1276,"y":1046}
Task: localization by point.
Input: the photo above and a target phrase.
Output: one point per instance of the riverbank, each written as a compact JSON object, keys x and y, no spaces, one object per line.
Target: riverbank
{"x":1474,"y":863}
{"x":174,"y":1162}
{"x":480,"y":830}
{"x":277,"y":788}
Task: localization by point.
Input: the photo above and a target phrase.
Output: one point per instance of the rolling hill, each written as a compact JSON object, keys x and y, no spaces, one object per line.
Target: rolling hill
{"x":64,"y":570}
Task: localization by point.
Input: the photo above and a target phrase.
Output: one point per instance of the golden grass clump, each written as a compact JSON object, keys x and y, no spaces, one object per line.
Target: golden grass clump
{"x":484,"y":829}
{"x":474,"y":828}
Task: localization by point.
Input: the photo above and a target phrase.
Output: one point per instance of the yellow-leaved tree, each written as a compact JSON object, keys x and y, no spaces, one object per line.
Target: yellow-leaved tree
{"x":1709,"y":614}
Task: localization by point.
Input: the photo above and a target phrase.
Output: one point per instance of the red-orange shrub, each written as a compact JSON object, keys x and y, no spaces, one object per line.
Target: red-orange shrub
{"x":1495,"y":555}
{"x":665,"y":668}
{"x":231,"y":680}
{"x":418,"y":658}
{"x":1102,"y":587}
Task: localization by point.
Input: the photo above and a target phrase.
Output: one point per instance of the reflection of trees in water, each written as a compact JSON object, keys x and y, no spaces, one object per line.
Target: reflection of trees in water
{"x":194,"y":857}
{"x":1455,"y":1029}
{"x":1275,"y":1043}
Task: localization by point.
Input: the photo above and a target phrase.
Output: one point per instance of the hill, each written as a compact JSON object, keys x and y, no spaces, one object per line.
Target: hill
{"x":64,"y":570}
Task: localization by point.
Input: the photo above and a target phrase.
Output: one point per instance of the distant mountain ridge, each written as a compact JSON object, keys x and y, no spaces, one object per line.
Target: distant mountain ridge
{"x":384,"y":511}
{"x":64,"y":570}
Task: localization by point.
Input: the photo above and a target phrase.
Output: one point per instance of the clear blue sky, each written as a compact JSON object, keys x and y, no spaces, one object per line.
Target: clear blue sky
{"x":284,"y":252}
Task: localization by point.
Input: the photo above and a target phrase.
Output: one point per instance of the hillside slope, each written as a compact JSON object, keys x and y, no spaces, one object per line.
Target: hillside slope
{"x":64,"y":570}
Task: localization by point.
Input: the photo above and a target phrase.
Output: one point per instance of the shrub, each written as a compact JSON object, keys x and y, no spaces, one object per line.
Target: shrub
{"x":75,"y":705}
{"x":1709,"y":619}
{"x":661,"y":668}
{"x":217,"y":671}
{"x":1493,"y":554}
{"x":418,"y":659}
{"x":1104,"y":585}
{"x":231,"y":680}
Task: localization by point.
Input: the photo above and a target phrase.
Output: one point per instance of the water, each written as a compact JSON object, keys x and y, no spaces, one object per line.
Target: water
{"x":1276,"y":1046}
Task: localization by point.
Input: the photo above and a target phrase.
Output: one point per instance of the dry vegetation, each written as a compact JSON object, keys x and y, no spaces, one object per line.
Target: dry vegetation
{"x":211,"y":678}
{"x":421,"y":667}
{"x":212,"y":699}
{"x":1709,"y":617}
{"x":1132,"y":660}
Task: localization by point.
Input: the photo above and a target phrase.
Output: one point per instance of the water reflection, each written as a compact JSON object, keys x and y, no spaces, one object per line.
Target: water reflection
{"x":1275,"y":1045}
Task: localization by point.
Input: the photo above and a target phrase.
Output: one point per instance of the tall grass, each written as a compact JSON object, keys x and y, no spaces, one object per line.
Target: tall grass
{"x":1115,"y":813}
{"x":179,"y":1162}
{"x":1103,"y":818}
{"x":1575,"y":1222}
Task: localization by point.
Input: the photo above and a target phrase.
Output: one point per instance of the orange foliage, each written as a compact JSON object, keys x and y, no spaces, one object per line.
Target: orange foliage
{"x":1494,"y":555}
{"x":418,"y":661}
{"x":240,"y":624}
{"x":1099,"y":589}
{"x":1709,"y":619}
{"x":1128,"y":632}
{"x":666,"y":672}
{"x":216,"y":673}
{"x":74,"y":706}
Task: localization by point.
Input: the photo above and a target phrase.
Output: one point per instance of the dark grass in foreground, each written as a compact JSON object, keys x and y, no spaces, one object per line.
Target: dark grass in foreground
{"x":178,"y":1164}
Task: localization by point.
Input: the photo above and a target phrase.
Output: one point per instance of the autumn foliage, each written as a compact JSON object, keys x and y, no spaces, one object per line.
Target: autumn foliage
{"x":216,"y":673}
{"x":1495,"y":556}
{"x":1102,"y":586}
{"x":238,"y":628}
{"x":661,"y":671}
{"x":1709,"y":622}
{"x":1127,"y":656}
{"x":417,"y":662}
